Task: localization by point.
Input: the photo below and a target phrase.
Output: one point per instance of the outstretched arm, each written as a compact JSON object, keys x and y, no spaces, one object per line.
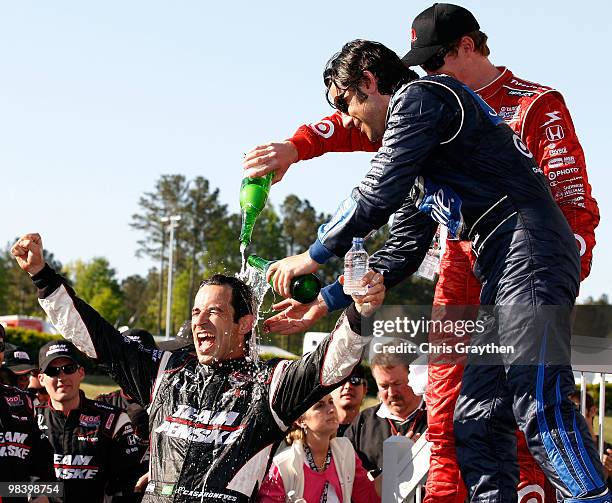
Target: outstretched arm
{"x":334,"y":133}
{"x":133,"y":366}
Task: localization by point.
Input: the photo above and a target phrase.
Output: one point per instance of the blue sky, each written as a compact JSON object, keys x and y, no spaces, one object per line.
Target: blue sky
{"x":98,"y":99}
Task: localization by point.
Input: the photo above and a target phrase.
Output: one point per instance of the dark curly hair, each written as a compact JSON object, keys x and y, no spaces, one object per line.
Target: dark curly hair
{"x":345,"y":68}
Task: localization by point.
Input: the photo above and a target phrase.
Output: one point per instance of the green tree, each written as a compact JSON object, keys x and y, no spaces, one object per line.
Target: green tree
{"x":204,"y":219}
{"x":300,"y":224}
{"x":268,"y":239}
{"x":168,"y":198}
{"x":20,"y":296}
{"x":138,"y":292}
{"x":97,"y":285}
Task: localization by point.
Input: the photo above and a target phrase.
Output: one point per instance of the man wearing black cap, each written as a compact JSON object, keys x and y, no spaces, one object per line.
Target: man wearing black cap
{"x":216,"y":415}
{"x":18,"y":361}
{"x":444,"y":146}
{"x":24,"y":455}
{"x":93,"y":444}
{"x":446,"y":38}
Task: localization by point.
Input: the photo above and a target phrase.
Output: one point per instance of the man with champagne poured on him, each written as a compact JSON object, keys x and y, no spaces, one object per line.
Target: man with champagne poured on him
{"x":216,"y":416}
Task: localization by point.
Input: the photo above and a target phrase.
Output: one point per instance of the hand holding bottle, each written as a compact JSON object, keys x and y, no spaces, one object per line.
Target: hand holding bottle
{"x":268,"y":158}
{"x":286,"y":269}
{"x":375,"y":293}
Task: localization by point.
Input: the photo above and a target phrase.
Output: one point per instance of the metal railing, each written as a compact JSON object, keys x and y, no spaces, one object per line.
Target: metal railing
{"x":407,"y":463}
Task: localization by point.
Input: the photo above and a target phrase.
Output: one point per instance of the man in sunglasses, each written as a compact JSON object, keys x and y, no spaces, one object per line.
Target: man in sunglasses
{"x":348,"y":398}
{"x":446,"y":38}
{"x":93,"y":444}
{"x":24,"y":455}
{"x":216,"y":413}
{"x":444,"y":146}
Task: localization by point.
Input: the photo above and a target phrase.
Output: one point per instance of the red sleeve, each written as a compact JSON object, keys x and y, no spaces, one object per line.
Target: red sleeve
{"x":549,"y":133}
{"x":363,"y":488}
{"x":272,"y":489}
{"x":330,"y":135}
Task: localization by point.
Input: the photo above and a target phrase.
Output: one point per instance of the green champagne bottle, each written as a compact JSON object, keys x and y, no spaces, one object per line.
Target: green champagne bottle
{"x":253,"y":196}
{"x":304,"y":288}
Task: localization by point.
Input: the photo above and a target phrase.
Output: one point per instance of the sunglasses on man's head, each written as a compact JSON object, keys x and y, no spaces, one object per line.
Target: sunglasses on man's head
{"x":69,"y":369}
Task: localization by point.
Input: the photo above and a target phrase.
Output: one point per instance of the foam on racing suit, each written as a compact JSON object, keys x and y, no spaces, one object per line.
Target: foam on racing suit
{"x":213,"y":427}
{"x":446,"y":405}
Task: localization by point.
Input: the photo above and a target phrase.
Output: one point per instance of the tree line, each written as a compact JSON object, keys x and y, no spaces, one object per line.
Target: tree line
{"x":206,"y":242}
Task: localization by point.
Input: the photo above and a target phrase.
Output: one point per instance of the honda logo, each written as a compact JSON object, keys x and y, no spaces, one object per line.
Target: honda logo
{"x":555,"y":133}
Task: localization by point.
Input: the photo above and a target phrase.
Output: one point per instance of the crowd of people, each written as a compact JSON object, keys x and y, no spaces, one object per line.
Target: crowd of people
{"x":493,"y":160}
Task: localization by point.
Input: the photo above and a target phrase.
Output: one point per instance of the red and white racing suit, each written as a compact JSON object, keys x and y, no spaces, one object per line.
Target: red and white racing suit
{"x":539,"y":116}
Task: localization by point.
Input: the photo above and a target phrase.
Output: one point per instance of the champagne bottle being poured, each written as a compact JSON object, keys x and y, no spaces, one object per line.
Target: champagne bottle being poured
{"x":304,"y":288}
{"x":253,"y":196}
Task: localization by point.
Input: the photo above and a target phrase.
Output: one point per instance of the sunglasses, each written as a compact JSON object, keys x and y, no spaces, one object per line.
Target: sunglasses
{"x":436,"y":61}
{"x":2,"y":346}
{"x":339,"y":102}
{"x":356,"y":381}
{"x":69,"y":369}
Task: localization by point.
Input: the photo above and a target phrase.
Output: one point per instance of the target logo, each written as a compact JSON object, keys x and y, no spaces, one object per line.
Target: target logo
{"x":522,"y":148}
{"x":531,"y":494}
{"x":324,"y":128}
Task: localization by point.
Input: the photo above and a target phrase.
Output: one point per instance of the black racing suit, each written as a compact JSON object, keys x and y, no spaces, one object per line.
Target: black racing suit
{"x":140,"y":423}
{"x":440,"y":132}
{"x":94,"y":448}
{"x":213,"y":427}
{"x":24,"y":455}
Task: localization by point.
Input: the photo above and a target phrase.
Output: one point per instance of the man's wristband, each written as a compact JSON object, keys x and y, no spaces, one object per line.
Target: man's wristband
{"x":334,"y":297}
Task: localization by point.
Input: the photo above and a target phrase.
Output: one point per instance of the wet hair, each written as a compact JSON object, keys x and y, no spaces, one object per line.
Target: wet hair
{"x":242,"y":295}
{"x":345,"y":68}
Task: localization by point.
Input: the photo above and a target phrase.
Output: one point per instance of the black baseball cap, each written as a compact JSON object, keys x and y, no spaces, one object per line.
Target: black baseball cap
{"x":435,"y":27}
{"x":57,"y":349}
{"x":139,"y":336}
{"x":183,"y":339}
{"x":18,"y":360}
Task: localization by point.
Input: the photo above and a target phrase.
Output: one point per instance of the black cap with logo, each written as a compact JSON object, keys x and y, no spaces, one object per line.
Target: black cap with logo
{"x":56,"y":349}
{"x":18,"y":360}
{"x":436,"y":27}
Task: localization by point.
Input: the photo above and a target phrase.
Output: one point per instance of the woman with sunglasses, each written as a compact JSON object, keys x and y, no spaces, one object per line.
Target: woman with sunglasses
{"x":318,"y":467}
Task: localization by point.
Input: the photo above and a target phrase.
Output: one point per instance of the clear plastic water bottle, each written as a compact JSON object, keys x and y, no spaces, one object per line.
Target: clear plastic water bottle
{"x":356,"y":263}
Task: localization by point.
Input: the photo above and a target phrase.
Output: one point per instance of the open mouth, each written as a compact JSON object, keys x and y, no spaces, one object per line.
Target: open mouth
{"x":206,"y":341}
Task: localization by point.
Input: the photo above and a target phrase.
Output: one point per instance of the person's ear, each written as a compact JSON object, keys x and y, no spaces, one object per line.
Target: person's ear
{"x":369,"y":84}
{"x":466,"y":44}
{"x":245,"y":324}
